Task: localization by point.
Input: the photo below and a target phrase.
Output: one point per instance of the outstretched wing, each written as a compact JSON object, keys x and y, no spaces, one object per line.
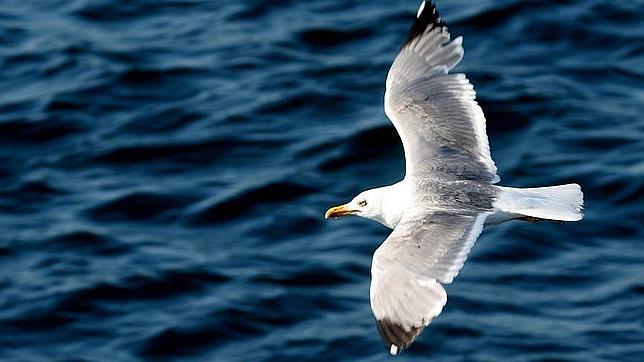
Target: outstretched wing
{"x":435,"y":113}
{"x":427,"y":248}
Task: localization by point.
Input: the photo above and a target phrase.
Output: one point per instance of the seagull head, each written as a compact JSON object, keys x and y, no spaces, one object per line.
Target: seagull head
{"x":367,"y":204}
{"x":385,"y":205}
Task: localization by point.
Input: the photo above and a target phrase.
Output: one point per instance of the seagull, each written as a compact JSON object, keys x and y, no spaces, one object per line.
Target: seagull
{"x":449,"y":191}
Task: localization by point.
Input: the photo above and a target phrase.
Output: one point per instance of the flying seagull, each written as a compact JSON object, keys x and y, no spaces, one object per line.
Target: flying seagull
{"x":448,"y":193}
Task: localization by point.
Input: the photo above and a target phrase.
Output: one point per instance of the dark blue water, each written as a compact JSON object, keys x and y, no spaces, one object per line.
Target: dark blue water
{"x":165,"y":166}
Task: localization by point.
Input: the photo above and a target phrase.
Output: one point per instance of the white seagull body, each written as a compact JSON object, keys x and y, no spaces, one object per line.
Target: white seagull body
{"x":448,"y":193}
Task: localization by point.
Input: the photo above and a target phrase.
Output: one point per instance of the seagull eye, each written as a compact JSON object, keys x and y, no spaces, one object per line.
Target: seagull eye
{"x":362,"y":203}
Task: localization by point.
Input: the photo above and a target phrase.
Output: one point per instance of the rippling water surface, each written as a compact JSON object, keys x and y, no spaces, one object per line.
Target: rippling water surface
{"x":165,"y":166}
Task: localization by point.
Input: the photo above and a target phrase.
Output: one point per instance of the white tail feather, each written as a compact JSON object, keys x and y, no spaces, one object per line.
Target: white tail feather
{"x":563,"y":203}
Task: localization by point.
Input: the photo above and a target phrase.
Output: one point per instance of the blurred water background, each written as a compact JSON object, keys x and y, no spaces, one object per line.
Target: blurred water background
{"x":165,"y":166}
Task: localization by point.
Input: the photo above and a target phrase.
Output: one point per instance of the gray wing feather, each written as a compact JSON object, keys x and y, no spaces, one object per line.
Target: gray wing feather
{"x":427,"y":248}
{"x":435,"y":113}
{"x":432,"y":243}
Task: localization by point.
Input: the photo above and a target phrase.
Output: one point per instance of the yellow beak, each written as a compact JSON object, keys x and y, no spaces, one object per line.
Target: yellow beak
{"x":337,"y":211}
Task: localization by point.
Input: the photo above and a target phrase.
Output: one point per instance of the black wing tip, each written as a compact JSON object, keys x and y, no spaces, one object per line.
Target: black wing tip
{"x":427,"y":16}
{"x":394,"y":335}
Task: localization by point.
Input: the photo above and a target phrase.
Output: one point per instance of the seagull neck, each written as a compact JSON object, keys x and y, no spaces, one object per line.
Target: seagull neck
{"x":395,"y":200}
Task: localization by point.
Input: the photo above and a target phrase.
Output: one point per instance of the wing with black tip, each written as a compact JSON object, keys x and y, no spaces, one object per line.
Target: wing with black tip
{"x":435,"y":113}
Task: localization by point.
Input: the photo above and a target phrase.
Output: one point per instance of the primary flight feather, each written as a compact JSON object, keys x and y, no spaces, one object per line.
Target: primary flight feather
{"x":448,"y":193}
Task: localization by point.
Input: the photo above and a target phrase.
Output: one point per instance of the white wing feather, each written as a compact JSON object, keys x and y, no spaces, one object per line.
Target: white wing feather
{"x":441,"y":125}
{"x":427,"y":247}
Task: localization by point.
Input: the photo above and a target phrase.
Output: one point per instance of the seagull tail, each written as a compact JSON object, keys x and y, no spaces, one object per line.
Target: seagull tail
{"x":561,"y":203}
